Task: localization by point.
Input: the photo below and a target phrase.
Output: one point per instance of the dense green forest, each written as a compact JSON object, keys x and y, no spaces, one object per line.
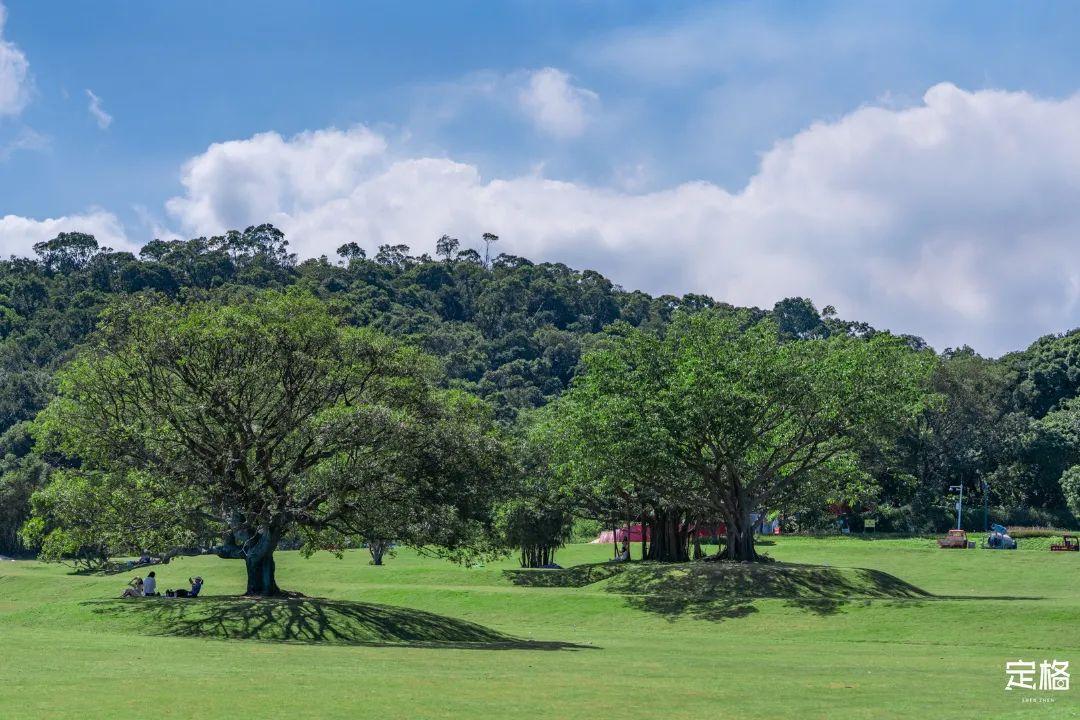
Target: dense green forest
{"x":514,"y":332}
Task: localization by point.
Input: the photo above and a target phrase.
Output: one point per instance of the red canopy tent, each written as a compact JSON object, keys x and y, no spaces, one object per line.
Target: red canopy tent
{"x":620,"y":534}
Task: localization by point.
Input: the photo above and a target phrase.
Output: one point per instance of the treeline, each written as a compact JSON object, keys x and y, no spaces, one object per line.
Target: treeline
{"x":514,"y":332}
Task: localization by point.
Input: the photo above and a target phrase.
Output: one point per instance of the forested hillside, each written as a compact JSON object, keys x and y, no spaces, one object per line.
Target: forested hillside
{"x":513,"y":333}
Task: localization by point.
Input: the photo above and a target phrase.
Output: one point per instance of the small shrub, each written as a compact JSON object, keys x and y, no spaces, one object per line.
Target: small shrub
{"x":585,"y":530}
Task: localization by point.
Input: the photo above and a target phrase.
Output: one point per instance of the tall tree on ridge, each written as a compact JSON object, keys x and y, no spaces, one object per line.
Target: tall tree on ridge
{"x":489,"y":240}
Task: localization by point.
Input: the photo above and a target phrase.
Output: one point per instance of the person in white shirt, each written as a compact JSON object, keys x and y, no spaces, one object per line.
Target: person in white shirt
{"x":150,"y":585}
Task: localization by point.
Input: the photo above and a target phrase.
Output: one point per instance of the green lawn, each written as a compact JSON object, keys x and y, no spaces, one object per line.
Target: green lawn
{"x":841,"y":628}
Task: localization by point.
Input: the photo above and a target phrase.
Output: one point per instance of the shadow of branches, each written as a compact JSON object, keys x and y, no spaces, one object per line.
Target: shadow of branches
{"x":727,"y":590}
{"x":313,"y":621}
{"x":576,"y":576}
{"x":724,"y":590}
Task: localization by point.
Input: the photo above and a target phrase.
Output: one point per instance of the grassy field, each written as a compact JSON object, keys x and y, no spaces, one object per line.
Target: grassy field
{"x":840,"y":628}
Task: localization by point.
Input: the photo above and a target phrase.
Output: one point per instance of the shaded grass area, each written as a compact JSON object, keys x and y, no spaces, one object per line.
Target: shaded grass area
{"x":571,"y":577}
{"x":311,"y":620}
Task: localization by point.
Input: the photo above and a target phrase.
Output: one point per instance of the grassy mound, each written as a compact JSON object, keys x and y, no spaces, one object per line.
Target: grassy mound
{"x":719,"y":590}
{"x":306,"y":620}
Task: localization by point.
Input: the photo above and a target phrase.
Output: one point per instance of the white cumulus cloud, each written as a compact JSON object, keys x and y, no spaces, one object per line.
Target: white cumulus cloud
{"x":274,"y":179}
{"x":14,"y":74}
{"x":955,"y":219}
{"x":555,"y":105}
{"x":97,"y":110}
{"x":18,"y":234}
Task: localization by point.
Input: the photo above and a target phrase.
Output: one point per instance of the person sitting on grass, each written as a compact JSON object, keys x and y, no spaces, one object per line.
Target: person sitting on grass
{"x":196,"y":586}
{"x":150,"y":585}
{"x":134,"y":588}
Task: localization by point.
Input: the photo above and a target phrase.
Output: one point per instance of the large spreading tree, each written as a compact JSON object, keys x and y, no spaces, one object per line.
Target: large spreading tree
{"x":260,"y":420}
{"x":723,"y":416}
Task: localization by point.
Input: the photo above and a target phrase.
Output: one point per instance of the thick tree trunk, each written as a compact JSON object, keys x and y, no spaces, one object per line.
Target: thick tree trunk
{"x":739,"y":527}
{"x":740,"y":538}
{"x":669,"y":536}
{"x":256,"y":549}
{"x":259,"y":558}
{"x":260,"y":575}
{"x":377,"y":548}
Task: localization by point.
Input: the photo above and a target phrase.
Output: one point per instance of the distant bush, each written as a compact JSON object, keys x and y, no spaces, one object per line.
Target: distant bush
{"x":810,"y":521}
{"x":1036,"y":532}
{"x":1070,"y":488}
{"x":904,"y":520}
{"x":584,"y":530}
{"x":1034,"y":517}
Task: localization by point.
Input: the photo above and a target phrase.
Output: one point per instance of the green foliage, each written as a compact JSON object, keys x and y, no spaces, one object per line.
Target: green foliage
{"x":1070,"y":488}
{"x":536,"y":517}
{"x":67,"y":251}
{"x":258,"y":418}
{"x":536,"y":525}
{"x":1046,"y":373}
{"x":585,"y":530}
{"x":514,"y":333}
{"x":21,"y":473}
{"x":721,"y":416}
{"x":88,"y":517}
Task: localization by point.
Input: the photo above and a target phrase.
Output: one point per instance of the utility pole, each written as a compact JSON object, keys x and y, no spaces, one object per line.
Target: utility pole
{"x":959,"y":503}
{"x":986,"y":505}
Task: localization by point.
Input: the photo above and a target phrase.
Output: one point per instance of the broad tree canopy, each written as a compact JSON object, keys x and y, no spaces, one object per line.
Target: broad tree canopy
{"x":271,"y":418}
{"x":725,"y":416}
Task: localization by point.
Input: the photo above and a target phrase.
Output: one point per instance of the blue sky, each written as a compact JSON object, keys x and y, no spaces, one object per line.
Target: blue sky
{"x":657,"y":142}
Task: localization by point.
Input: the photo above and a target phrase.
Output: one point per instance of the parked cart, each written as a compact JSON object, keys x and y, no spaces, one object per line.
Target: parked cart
{"x":954,"y":540}
{"x":1068,"y":543}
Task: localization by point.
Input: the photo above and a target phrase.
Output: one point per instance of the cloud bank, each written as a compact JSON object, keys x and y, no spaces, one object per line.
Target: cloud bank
{"x":18,"y":234}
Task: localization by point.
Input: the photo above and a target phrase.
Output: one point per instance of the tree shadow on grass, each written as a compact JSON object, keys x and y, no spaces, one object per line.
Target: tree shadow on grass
{"x":312,"y":621}
{"x":575,"y":577}
{"x":719,"y":591}
{"x":725,"y":590}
